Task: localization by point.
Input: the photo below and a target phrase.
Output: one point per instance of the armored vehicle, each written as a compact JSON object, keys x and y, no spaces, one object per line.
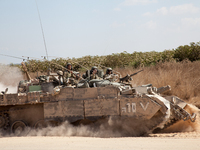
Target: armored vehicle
{"x":143,"y":103}
{"x":48,"y":103}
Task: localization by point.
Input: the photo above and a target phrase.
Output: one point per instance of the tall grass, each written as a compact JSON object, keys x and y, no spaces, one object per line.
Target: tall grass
{"x":183,"y":77}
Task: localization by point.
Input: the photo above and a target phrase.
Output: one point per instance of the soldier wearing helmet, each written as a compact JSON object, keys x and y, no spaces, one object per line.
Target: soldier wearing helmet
{"x":68,"y":72}
{"x":109,"y":75}
{"x":109,"y":71}
{"x":68,"y":75}
{"x":69,"y":66}
{"x":94,"y":73}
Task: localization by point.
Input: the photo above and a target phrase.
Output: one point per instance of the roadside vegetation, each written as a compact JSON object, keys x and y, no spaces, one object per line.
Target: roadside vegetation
{"x":119,"y":60}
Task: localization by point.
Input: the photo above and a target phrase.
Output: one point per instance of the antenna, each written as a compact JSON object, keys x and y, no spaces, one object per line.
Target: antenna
{"x":43,"y":38}
{"x":12,"y":56}
{"x":42,"y":30}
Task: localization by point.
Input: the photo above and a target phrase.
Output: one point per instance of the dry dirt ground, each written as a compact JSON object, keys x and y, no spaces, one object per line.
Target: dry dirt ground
{"x":178,"y":141}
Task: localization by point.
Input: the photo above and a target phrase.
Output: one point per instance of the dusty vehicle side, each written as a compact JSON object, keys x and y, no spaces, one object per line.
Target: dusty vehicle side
{"x":143,"y":103}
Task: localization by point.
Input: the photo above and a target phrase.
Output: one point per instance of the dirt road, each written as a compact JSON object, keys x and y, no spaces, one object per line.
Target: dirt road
{"x":178,"y":141}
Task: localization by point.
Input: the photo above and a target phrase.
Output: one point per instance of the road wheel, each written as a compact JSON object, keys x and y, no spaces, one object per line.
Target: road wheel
{"x":18,"y":127}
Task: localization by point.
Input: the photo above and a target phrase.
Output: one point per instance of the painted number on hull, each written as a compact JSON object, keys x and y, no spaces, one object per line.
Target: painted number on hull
{"x":131,"y":107}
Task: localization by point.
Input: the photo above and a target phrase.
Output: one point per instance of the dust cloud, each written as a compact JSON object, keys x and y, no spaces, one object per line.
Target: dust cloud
{"x":112,"y":127}
{"x":186,"y":126}
{"x":105,"y":128}
{"x":115,"y":127}
{"x":9,"y":78}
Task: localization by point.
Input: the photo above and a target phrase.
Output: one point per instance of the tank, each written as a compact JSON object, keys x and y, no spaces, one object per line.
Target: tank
{"x":76,"y":105}
{"x":48,"y":103}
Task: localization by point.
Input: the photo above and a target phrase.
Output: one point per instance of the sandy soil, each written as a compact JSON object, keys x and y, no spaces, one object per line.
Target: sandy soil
{"x":178,"y":141}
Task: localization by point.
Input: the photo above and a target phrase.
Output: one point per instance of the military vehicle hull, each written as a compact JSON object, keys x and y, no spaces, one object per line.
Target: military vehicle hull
{"x":87,"y":105}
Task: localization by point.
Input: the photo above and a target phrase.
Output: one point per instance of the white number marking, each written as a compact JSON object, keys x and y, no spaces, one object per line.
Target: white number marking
{"x":130,"y":108}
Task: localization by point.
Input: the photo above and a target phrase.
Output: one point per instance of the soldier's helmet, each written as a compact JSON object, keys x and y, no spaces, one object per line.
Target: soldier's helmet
{"x":108,"y":69}
{"x":94,"y":67}
{"x":68,"y":65}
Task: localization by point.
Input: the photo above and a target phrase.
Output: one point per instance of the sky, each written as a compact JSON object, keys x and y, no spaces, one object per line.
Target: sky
{"x":76,"y":28}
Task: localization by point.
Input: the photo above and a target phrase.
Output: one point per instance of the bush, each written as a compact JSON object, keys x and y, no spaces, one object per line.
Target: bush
{"x":120,"y":60}
{"x":191,"y":52}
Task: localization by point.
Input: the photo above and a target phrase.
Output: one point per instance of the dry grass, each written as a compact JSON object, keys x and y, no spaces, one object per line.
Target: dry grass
{"x":183,"y":77}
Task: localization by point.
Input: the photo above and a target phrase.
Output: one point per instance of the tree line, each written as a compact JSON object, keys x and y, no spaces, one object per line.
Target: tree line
{"x":121,"y":60}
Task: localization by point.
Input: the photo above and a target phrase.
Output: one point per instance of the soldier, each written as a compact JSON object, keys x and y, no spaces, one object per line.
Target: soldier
{"x":109,"y":75}
{"x":108,"y":72}
{"x":68,"y":72}
{"x":93,"y":73}
{"x":68,"y":75}
{"x":77,"y":79}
